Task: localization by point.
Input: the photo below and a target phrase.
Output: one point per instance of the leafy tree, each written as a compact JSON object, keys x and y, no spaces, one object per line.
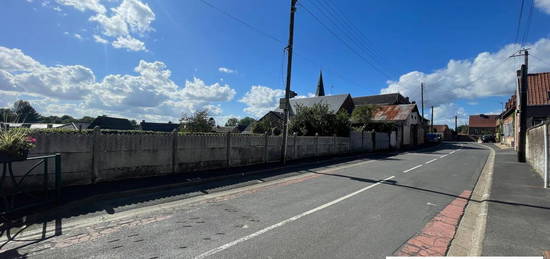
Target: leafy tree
{"x":25,"y":112}
{"x":197,"y":122}
{"x":263,"y":126}
{"x":232,"y":122}
{"x":319,"y":119}
{"x":362,"y":115}
{"x":462,"y":129}
{"x":86,"y":119}
{"x":67,"y":119}
{"x":246,"y":121}
{"x":7,"y":115}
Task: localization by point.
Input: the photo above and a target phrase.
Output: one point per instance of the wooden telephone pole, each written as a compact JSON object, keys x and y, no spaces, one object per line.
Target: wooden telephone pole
{"x":288,"y":77}
{"x":523,"y":73}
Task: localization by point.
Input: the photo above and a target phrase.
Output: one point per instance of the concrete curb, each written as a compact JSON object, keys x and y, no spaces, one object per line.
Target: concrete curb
{"x":468,"y":240}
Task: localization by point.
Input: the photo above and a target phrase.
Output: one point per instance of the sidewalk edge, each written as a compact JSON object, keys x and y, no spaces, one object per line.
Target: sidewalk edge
{"x":468,"y":240}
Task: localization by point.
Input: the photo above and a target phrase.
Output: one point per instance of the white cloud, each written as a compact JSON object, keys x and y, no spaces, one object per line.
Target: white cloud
{"x":215,"y":92}
{"x":227,"y":70}
{"x":445,"y":114}
{"x":261,"y":99}
{"x":149,"y":94}
{"x":129,"y":43}
{"x":99,"y":39}
{"x":84,"y":5}
{"x":131,"y":19}
{"x":78,"y":36}
{"x":489,"y":74}
{"x":544,"y":5}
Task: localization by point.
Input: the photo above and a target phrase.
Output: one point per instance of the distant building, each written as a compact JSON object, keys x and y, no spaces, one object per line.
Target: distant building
{"x":105,"y":122}
{"x":406,"y":120}
{"x":443,"y":131}
{"x":482,"y":124}
{"x":229,"y":129}
{"x":162,"y":127}
{"x":381,"y":99}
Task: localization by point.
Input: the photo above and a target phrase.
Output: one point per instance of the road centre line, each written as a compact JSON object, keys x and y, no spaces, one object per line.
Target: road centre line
{"x":284,"y":222}
{"x":430,"y":161}
{"x":408,"y":170}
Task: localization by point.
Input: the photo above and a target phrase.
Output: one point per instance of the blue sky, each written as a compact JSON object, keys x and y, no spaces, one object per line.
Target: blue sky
{"x":158,"y":59}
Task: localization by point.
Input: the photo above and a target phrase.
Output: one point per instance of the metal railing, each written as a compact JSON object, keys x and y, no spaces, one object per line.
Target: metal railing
{"x":16,"y":195}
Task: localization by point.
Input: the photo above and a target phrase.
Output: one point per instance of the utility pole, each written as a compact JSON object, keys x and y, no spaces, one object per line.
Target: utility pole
{"x":432,"y":121}
{"x":456,"y":127}
{"x":422,"y":98}
{"x":523,"y":73}
{"x":288,"y":76}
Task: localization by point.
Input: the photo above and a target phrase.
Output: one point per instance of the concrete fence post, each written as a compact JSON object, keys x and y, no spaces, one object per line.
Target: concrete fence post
{"x":294,"y":147}
{"x":174,"y":149}
{"x":363,"y":140}
{"x":349,"y":143}
{"x":373,"y":140}
{"x":334,"y":144}
{"x":266,"y":139}
{"x":228,"y":150}
{"x":95,"y":154}
{"x":316,"y":144}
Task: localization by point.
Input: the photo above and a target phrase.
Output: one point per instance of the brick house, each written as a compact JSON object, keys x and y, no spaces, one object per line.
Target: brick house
{"x":537,"y":110}
{"x":482,"y":124}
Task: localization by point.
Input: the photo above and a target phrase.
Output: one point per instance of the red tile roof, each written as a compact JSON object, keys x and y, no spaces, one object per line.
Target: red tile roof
{"x":538,"y":89}
{"x":483,"y":121}
{"x":441,"y":128}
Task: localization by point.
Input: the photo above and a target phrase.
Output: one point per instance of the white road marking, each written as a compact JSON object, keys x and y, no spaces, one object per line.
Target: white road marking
{"x":286,"y":221}
{"x":430,"y":161}
{"x":443,"y":156}
{"x":408,"y":170}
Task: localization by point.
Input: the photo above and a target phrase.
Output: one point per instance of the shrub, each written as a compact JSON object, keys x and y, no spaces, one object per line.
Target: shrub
{"x":16,"y":142}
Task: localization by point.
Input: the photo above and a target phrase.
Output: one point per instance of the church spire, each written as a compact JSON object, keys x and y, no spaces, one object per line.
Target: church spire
{"x":320,"y":86}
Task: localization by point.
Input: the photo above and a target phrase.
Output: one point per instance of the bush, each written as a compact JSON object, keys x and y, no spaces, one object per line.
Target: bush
{"x":319,"y":119}
{"x":16,"y":142}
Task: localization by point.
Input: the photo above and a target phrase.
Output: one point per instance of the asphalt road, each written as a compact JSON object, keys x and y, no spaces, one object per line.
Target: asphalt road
{"x":361,"y":209}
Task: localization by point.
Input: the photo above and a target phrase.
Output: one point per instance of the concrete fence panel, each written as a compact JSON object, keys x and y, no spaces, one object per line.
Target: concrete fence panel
{"x":382,"y":141}
{"x":97,"y":157}
{"x":200,"y":152}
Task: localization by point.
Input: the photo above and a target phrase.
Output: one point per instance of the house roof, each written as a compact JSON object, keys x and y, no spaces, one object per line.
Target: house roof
{"x":334,"y":102}
{"x":538,"y":89}
{"x":383,"y":99}
{"x":105,"y":122}
{"x":483,"y":121}
{"x":154,"y":126}
{"x":399,"y":112}
{"x":441,"y":128}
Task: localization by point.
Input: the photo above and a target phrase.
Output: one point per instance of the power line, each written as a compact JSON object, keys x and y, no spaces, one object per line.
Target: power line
{"x":358,"y":33}
{"x":346,"y":29}
{"x":529,"y":18}
{"x":519,"y":21}
{"x":270,"y":36}
{"x":252,"y":27}
{"x":539,"y":59}
{"x":344,"y":42}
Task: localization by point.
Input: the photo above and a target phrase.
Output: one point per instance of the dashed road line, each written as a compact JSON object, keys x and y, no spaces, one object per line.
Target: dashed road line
{"x":430,"y":161}
{"x":286,"y":221}
{"x":410,"y":169}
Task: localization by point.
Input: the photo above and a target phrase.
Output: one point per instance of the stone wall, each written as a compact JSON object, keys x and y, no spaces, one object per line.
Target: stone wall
{"x":536,"y":149}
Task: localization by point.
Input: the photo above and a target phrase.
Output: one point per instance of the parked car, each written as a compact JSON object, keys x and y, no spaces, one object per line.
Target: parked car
{"x":433,"y":138}
{"x":488,"y":139}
